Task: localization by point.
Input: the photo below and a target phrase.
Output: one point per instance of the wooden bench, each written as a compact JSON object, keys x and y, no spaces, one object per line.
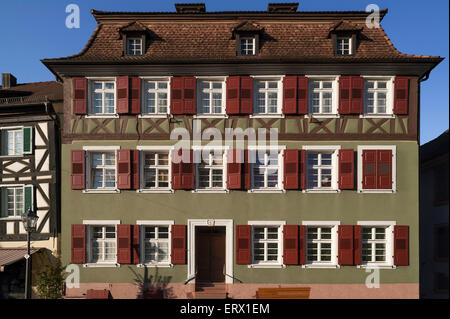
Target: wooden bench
{"x":283,"y":293}
{"x":97,"y":294}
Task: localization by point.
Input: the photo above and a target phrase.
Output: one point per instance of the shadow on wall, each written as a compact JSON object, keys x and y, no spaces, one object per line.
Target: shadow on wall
{"x":152,"y":286}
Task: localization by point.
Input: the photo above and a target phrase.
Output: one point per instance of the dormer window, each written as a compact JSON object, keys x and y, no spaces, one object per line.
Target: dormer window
{"x":344,"y":46}
{"x":247,"y":46}
{"x":134,"y":46}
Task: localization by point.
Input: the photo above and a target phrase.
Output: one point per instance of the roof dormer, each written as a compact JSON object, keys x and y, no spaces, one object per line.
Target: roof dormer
{"x":247,"y":35}
{"x":134,"y":37}
{"x":345,"y":38}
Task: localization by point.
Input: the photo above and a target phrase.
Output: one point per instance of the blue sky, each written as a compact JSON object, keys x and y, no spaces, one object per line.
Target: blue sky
{"x":36,"y":30}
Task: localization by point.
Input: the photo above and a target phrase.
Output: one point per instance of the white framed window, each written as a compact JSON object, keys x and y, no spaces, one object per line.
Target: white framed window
{"x":156,"y":97}
{"x":102,"y":243}
{"x":155,"y":170}
{"x":323,"y":96}
{"x":267,"y":243}
{"x":134,"y":46}
{"x":247,"y":46}
{"x":377,"y":244}
{"x":102,"y":97}
{"x":101,"y":170}
{"x":321,"y":244}
{"x":344,"y":46}
{"x":210,"y":172}
{"x":267,"y":96}
{"x":211,"y":96}
{"x":13,"y":201}
{"x":155,"y":248}
{"x":378,"y":96}
{"x":266,"y":169}
{"x":321,"y":168}
{"x":12,"y":141}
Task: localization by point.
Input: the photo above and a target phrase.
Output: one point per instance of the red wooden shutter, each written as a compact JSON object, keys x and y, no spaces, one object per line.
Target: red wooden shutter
{"x":291,"y":172}
{"x":344,"y":94}
{"x":290,"y":244}
{"x":124,"y":169}
{"x":401,"y":245}
{"x":357,"y":245}
{"x":357,"y":99}
{"x":79,"y":86}
{"x":384,"y":169}
{"x":176,"y":95}
{"x":187,"y":172}
{"x":247,"y":169}
{"x":369,"y":169}
{"x":189,"y":97}
{"x":243,"y":244}
{"x":246,"y":95}
{"x":290,"y":94}
{"x":78,"y":253}
{"x":123,"y":85}
{"x":135,"y":94}
{"x":124,"y":242}
{"x":77,"y":158}
{"x":302,"y":95}
{"x":135,"y":169}
{"x":302,"y":169}
{"x":176,"y":170}
{"x":178,"y":244}
{"x":401,"y":95}
{"x":233,"y":88}
{"x":346,"y":169}
{"x":302,"y":245}
{"x":235,"y":159}
{"x":136,"y":244}
{"x":345,"y":244}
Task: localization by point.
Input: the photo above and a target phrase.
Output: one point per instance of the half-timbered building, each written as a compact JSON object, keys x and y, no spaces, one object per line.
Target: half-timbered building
{"x":334,"y":199}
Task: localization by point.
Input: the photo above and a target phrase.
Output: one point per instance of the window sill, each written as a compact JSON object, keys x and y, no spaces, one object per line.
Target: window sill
{"x":111,"y":116}
{"x":267,"y":116}
{"x":323,"y":266}
{"x":377,"y":191}
{"x":215,"y":116}
{"x":154,"y":265}
{"x":376,"y":116}
{"x":267,"y":191}
{"x":12,"y":156}
{"x":322,"y":191}
{"x":101,"y":265}
{"x":209,"y":191}
{"x":155,"y":191}
{"x":12,"y":218}
{"x":372,"y":266}
{"x":155,"y":116}
{"x":101,"y":191}
{"x":266,"y":266}
{"x":322,"y":116}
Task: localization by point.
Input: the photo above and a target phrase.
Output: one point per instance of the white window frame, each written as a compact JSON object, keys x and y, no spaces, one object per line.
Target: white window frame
{"x":389,"y":97}
{"x":271,"y":264}
{"x":334,"y":263}
{"x":102,"y":223}
{"x":350,"y":49}
{"x":334,"y":79}
{"x":4,"y":141}
{"x":134,"y":51}
{"x":198,"y":150}
{"x":280,"y":149}
{"x":334,"y":170}
{"x":221,"y":79}
{"x":4,"y":201}
{"x":144,"y":94}
{"x":389,"y":263}
{"x":142,"y":150}
{"x":270,"y":78}
{"x":393,"y":148}
{"x":98,"y":149}
{"x":90,"y":107}
{"x":155,"y":223}
{"x":244,"y":51}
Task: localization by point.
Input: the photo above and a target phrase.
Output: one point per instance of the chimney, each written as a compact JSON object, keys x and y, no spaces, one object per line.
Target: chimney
{"x":8,"y":80}
{"x":282,"y":7}
{"x":190,"y":7}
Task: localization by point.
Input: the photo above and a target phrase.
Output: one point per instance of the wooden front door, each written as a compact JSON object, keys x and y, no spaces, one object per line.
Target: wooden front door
{"x":210,"y":254}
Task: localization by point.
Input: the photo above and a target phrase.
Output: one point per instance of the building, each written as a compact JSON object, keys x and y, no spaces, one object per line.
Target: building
{"x":331,"y":206}
{"x":434,"y":218}
{"x":29,"y":162}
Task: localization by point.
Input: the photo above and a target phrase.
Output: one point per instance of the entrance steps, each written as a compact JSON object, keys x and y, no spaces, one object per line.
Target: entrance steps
{"x":210,"y":291}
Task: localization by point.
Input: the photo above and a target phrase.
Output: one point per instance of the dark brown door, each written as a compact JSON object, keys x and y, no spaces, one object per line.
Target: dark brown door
{"x":210,"y":254}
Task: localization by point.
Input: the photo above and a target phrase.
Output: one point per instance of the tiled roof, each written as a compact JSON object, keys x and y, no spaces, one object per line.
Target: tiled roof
{"x":247,"y":26}
{"x":9,"y":256}
{"x":133,"y":26}
{"x":211,"y":40}
{"x":346,"y":26}
{"x":27,"y":93}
